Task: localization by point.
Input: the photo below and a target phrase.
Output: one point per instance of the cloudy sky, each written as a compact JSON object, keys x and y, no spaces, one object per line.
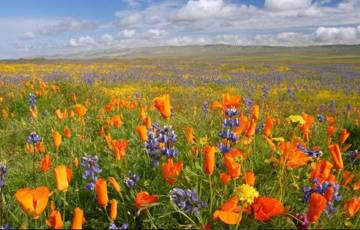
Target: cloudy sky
{"x":44,"y":27}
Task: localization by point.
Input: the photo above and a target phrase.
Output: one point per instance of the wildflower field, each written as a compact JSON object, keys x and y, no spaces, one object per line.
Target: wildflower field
{"x":180,"y":144}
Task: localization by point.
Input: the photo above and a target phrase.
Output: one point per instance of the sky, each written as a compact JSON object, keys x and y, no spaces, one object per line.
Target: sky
{"x":31,"y":28}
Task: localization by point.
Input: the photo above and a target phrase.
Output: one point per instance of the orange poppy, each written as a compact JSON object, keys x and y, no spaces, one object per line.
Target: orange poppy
{"x":255,"y":112}
{"x":336,"y":156}
{"x":142,"y":113}
{"x":101,"y":192}
{"x":45,"y":163}
{"x":344,"y":135}
{"x":321,"y":171}
{"x":40,"y":147}
{"x":268,"y":126}
{"x":189,"y":133}
{"x":306,"y":127}
{"x":330,"y":120}
{"x":115,"y":185}
{"x":67,"y":132}
{"x":249,"y":178}
{"x":147,"y":122}
{"x":352,"y":206}
{"x":71,"y":114}
{"x":209,"y":160}
{"x":33,"y":201}
{"x":356,"y":185}
{"x":251,"y":129}
{"x":33,"y":112}
{"x":317,"y":206}
{"x":113,"y":209}
{"x":56,"y":139}
{"x":61,"y":115}
{"x":119,"y":147}
{"x":225,"y":178}
{"x":142,"y":131}
{"x":291,"y":156}
{"x":229,"y":212}
{"x":54,"y":220}
{"x":80,"y":110}
{"x":143,"y":199}
{"x":116,"y":121}
{"x":163,"y":105}
{"x":265,"y":208}
{"x":330,"y":131}
{"x":347,"y":178}
{"x":171,"y":171}
{"x":78,"y":219}
{"x":230,"y":101}
{"x":76,"y":162}
{"x":233,"y":167}
{"x":63,"y":176}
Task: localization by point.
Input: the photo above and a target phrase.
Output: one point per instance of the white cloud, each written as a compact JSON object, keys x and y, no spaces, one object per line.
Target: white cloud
{"x":28,"y":36}
{"x":84,"y":41}
{"x":69,"y":25}
{"x":128,"y":33}
{"x":337,"y":35}
{"x":107,"y":39}
{"x":157,"y":33}
{"x":280,"y":5}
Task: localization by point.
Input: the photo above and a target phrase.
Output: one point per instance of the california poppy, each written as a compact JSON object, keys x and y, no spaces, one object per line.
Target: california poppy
{"x":33,"y":201}
{"x":336,"y":156}
{"x":119,"y":147}
{"x":171,"y":171}
{"x":142,"y":113}
{"x":306,"y":127}
{"x":352,"y":206}
{"x":54,"y":220}
{"x":230,"y":101}
{"x":67,"y":132}
{"x":255,"y":112}
{"x":143,"y":198}
{"x":147,"y":122}
{"x":233,"y":167}
{"x":209,"y":160}
{"x":347,"y":178}
{"x":101,"y":192}
{"x":56,"y":139}
{"x":344,"y":135}
{"x":321,"y":171}
{"x":45,"y":163}
{"x":251,"y":129}
{"x":116,"y":121}
{"x":249,"y":178}
{"x":291,"y":156}
{"x":142,"y":131}
{"x":229,"y":213}
{"x":225,"y":178}
{"x":78,"y":218}
{"x":330,"y":131}
{"x":163,"y":105}
{"x":113,"y":209}
{"x":189,"y":133}
{"x":80,"y":110}
{"x":268,"y":126}
{"x":115,"y":185}
{"x":317,"y":205}
{"x":265,"y":208}
{"x":76,"y":162}
{"x":63,"y":176}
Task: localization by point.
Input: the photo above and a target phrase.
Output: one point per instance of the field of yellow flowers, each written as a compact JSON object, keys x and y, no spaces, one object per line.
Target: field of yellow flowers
{"x":179,"y":144}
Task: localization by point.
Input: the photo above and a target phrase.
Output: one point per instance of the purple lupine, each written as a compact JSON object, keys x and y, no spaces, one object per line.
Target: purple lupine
{"x":310,"y":153}
{"x":91,"y":170}
{"x":112,"y":226}
{"x":131,"y":180}
{"x":32,"y":100}
{"x":187,"y":200}
{"x":33,"y":138}
{"x":3,"y":173}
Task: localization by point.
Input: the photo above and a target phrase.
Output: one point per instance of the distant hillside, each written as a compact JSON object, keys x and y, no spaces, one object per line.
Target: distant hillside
{"x":208,"y":51}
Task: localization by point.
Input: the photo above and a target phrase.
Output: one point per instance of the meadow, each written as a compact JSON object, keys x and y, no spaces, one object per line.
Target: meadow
{"x":217,"y":143}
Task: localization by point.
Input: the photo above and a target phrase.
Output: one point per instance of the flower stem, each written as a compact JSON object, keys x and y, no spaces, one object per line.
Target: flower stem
{"x":211,"y":194}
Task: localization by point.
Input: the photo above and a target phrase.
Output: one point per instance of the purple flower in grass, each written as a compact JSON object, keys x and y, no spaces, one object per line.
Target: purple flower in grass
{"x":91,"y":170}
{"x":187,"y":200}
